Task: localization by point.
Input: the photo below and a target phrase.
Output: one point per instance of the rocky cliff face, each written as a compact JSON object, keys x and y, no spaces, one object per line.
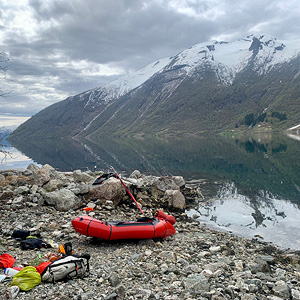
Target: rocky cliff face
{"x":208,"y":87}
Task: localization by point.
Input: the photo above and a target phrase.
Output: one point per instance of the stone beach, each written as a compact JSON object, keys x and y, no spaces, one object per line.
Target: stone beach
{"x":195,"y":263}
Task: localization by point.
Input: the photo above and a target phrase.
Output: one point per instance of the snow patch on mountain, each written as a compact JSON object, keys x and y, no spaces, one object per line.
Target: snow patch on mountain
{"x":294,"y":127}
{"x":105,"y":94}
{"x":273,"y":52}
{"x":133,"y":80}
{"x":125,"y":84}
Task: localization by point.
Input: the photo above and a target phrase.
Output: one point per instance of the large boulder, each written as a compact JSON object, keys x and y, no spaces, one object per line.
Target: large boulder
{"x":153,"y":189}
{"x":82,"y":176}
{"x":47,"y":175}
{"x":40,"y":177}
{"x":141,"y":181}
{"x":62,"y":200}
{"x":175,"y":199}
{"x":179,"y":181}
{"x":21,"y":190}
{"x":55,"y":175}
{"x":110,"y":190}
{"x":32,"y":167}
{"x":136,"y":174}
{"x":165,"y":183}
{"x":52,"y":185}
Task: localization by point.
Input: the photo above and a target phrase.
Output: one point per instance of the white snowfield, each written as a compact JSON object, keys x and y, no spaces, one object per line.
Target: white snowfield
{"x":230,"y":58}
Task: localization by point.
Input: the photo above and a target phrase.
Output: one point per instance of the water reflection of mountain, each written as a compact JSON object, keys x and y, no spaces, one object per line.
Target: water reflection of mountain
{"x":268,"y":163}
{"x":4,"y":133}
{"x":264,"y":216}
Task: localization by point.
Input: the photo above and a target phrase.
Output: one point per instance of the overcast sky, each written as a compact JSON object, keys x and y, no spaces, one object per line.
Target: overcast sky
{"x":60,"y":48}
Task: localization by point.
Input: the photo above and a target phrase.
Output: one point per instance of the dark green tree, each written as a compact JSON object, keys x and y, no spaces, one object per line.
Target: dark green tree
{"x":278,"y":115}
{"x":249,"y":119}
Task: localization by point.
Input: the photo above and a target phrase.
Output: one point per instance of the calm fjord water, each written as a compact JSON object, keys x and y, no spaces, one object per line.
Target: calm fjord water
{"x":253,"y":183}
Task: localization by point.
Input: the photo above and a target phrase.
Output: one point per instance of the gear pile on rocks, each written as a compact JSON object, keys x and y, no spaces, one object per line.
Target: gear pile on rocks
{"x":195,"y":263}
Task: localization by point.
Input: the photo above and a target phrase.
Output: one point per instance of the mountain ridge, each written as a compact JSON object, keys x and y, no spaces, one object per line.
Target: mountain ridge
{"x":211,"y":86}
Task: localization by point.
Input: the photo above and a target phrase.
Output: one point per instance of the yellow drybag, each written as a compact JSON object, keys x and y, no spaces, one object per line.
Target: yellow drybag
{"x":26,"y":279}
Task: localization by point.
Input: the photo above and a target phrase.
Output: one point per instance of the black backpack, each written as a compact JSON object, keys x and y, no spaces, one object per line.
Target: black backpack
{"x":32,"y":243}
{"x":20,"y":234}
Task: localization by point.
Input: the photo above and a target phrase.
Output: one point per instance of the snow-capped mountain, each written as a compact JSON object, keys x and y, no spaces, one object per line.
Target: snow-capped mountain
{"x":227,"y":59}
{"x":210,"y":86}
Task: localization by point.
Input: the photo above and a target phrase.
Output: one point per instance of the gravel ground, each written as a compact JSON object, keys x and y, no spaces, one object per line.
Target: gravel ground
{"x":195,"y":263}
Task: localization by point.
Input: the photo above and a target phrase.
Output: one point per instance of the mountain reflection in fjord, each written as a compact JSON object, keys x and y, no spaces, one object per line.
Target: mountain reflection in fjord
{"x":13,"y":159}
{"x":271,"y":219}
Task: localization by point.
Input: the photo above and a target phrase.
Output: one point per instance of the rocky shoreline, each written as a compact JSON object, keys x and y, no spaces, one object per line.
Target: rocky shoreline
{"x":195,"y":263}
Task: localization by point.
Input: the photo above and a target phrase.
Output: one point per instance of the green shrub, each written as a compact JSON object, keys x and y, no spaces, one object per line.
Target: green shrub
{"x":278,"y":115}
{"x":249,"y":119}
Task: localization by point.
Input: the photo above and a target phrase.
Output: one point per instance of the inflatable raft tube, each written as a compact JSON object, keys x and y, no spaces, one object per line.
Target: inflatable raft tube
{"x":144,"y":228}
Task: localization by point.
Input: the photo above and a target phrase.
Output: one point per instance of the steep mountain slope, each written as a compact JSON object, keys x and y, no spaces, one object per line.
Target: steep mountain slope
{"x":208,"y":87}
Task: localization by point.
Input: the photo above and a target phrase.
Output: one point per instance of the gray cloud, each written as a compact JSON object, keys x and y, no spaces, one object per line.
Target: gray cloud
{"x":60,"y":48}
